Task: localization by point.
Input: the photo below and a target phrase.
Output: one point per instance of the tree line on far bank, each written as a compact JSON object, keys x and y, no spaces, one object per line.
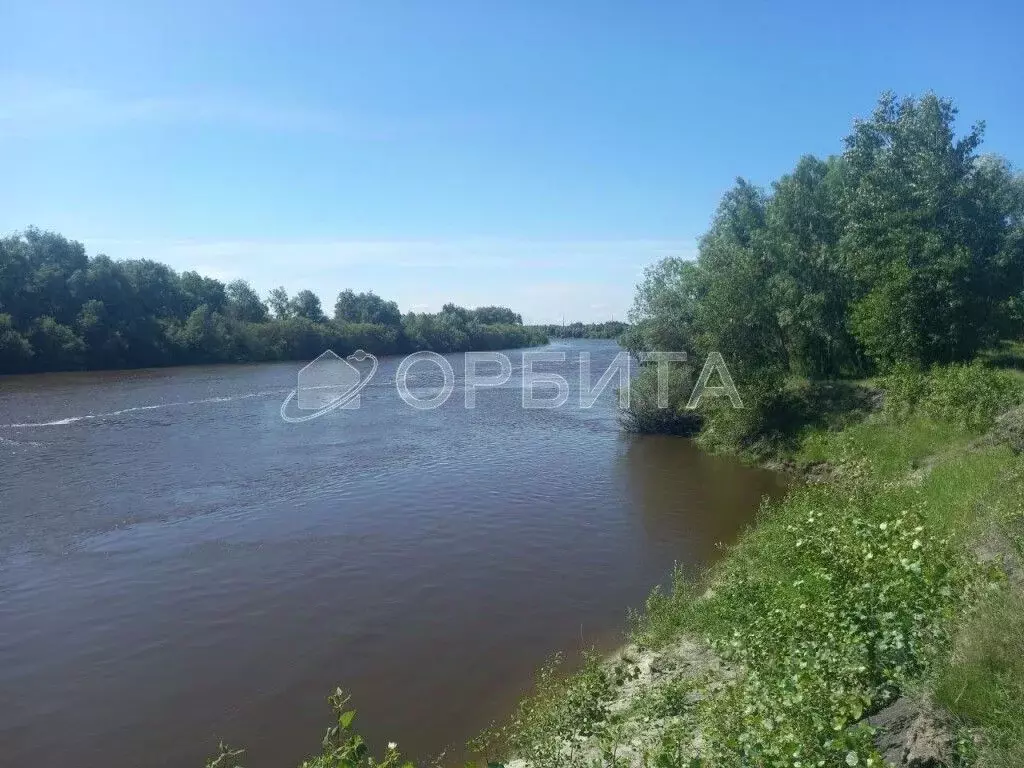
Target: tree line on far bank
{"x":62,"y":310}
{"x":610,"y":329}
{"x":907,"y":250}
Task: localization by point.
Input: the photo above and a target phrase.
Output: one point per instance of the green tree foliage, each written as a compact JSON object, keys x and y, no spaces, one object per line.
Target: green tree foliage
{"x":243,"y":303}
{"x":15,"y":351}
{"x":455,"y":328}
{"x":933,"y":235}
{"x":366,"y":308}
{"x":665,"y":307}
{"x":306,"y":304}
{"x":198,"y":291}
{"x":61,"y":310}
{"x":279,"y":303}
{"x":804,"y":222}
{"x":497,"y":316}
{"x":612,"y":329}
{"x":735,"y":315}
{"x":909,"y":247}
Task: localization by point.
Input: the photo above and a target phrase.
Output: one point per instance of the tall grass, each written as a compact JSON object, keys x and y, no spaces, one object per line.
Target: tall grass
{"x":983,"y":684}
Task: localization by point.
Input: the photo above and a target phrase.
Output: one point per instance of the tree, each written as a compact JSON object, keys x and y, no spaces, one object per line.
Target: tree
{"x":15,"y":350}
{"x":60,"y":309}
{"x":735,"y":315}
{"x":204,"y":337}
{"x":927,"y":234}
{"x":37,"y":270}
{"x":279,"y":303}
{"x":198,"y":291}
{"x":811,"y":288}
{"x":102,"y":339}
{"x":664,"y":308}
{"x":243,"y":303}
{"x":354,"y":307}
{"x":497,"y":316}
{"x":155,"y":289}
{"x":55,"y":343}
{"x":306,"y":304}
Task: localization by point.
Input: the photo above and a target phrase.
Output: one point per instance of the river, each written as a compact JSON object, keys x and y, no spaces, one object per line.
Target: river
{"x":179,"y":565}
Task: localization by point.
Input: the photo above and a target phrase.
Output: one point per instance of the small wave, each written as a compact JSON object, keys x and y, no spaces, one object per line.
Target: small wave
{"x":74,"y":419}
{"x":13,"y":443}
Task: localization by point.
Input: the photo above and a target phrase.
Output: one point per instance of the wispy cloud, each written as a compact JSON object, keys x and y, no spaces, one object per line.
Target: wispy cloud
{"x":29,"y":106}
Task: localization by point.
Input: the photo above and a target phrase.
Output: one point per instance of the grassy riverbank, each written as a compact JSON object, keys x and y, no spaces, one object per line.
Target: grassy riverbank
{"x":891,"y":576}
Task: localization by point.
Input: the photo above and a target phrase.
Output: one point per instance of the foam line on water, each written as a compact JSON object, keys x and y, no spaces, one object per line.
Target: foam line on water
{"x":88,"y":416}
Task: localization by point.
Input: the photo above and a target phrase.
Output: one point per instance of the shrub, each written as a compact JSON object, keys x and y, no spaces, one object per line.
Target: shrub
{"x":970,"y":396}
{"x":766,"y":421}
{"x":1010,"y":429}
{"x":644,"y":413}
{"x":776,"y":414}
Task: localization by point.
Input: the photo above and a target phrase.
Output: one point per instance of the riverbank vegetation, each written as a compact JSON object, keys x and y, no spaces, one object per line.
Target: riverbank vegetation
{"x":63,"y":310}
{"x":868,"y":617}
{"x":611,"y":329}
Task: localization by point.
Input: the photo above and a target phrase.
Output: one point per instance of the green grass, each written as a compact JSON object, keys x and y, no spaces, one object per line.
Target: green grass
{"x":966,"y":493}
{"x":983,"y":684}
{"x":885,"y":449}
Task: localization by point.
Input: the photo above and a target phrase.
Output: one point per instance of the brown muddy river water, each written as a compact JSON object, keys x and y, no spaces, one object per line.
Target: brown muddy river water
{"x":179,"y":565}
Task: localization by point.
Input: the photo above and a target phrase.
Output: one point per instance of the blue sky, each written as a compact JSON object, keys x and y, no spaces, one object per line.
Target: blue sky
{"x":537,"y":155}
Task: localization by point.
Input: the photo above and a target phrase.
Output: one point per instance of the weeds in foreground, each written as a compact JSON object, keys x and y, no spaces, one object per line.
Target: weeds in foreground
{"x":340,"y":747}
{"x":839,"y":597}
{"x":841,"y":601}
{"x":836,"y":600}
{"x":982,"y":683}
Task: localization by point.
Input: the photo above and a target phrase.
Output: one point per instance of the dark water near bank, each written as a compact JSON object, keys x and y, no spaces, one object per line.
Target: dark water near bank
{"x":178,"y":565}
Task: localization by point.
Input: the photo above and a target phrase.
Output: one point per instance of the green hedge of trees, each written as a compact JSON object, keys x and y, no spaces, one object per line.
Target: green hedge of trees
{"x":62,"y":310}
{"x":610,"y":329}
{"x":906,"y":248}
